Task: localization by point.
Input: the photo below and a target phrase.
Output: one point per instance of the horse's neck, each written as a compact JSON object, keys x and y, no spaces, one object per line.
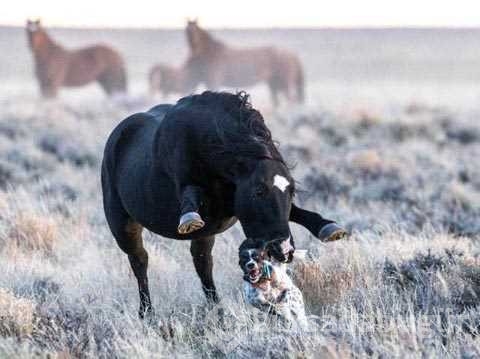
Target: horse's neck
{"x":216,"y":46}
{"x":211,"y":45}
{"x":49,"y":48}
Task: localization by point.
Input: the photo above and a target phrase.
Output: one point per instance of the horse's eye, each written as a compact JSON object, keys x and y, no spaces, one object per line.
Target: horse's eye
{"x":292,"y":191}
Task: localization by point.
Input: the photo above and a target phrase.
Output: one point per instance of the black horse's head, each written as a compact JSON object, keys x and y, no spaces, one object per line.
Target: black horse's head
{"x":263,"y":199}
{"x":245,"y":153}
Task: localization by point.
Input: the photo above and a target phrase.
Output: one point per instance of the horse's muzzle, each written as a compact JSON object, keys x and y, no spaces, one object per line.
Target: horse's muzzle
{"x":281,"y":249}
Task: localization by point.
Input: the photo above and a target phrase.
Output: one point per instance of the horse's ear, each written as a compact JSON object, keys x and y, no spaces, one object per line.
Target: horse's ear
{"x":38,"y":21}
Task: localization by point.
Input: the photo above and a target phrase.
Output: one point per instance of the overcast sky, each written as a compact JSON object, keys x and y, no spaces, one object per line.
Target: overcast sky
{"x":244,"y":13}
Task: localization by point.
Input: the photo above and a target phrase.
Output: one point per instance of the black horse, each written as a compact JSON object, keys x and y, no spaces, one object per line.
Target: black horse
{"x":210,"y":155}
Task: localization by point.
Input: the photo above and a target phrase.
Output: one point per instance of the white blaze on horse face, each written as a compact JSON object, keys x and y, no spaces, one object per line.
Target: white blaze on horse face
{"x":280,"y":182}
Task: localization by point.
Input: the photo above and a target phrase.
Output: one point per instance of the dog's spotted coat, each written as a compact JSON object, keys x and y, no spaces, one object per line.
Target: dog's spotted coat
{"x":275,"y":292}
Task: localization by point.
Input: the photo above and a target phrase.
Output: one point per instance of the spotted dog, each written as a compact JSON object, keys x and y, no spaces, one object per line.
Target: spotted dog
{"x":268,"y":287}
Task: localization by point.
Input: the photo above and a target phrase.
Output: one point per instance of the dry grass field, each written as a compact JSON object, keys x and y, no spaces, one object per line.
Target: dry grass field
{"x":396,"y":161}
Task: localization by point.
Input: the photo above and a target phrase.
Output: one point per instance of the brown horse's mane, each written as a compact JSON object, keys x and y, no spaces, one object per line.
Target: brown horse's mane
{"x":208,"y":43}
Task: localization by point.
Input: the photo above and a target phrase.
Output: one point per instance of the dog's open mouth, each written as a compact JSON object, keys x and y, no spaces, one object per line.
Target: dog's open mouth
{"x":254,"y":275}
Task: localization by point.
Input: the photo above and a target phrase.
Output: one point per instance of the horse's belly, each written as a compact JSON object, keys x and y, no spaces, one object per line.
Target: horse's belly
{"x":79,"y":77}
{"x":242,"y":76}
{"x":82,"y":69}
{"x":157,"y":208}
{"x":211,"y":228}
{"x":244,"y":68}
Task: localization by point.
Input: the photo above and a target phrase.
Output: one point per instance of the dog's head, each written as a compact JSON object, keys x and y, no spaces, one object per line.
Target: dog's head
{"x":251,"y":258}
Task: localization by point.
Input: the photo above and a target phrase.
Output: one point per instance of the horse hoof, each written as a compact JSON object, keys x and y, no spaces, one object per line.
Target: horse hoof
{"x":190,"y":222}
{"x":147,"y":315}
{"x":332,"y":232}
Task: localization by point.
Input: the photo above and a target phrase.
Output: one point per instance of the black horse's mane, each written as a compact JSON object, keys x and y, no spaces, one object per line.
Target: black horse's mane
{"x":240,"y":131}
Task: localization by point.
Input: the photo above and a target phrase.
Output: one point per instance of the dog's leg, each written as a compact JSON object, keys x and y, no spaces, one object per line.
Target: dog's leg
{"x":324,"y":229}
{"x":201,"y":250}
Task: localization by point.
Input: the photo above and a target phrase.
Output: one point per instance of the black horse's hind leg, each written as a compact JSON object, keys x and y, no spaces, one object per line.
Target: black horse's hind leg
{"x":138,"y":258}
{"x":190,"y":219}
{"x":128,"y":235}
{"x":201,"y":250}
{"x":130,"y":241}
{"x":324,"y":229}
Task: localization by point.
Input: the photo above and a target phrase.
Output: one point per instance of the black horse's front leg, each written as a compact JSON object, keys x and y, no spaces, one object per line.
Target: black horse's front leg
{"x":190,"y":202}
{"x":324,"y":229}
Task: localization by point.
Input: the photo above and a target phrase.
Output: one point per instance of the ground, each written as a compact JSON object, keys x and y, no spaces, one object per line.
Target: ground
{"x":400,"y":171}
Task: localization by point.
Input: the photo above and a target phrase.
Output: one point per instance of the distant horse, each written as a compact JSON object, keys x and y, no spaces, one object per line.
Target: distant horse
{"x":167,"y":80}
{"x":210,"y":155}
{"x":56,"y":66}
{"x":215,"y":64}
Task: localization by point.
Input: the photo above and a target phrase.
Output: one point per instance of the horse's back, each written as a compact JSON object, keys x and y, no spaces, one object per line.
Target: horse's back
{"x":125,"y":138}
{"x":99,"y":53}
{"x":91,"y":63}
{"x":137,"y":174}
{"x":131,"y":181}
{"x":134,"y":134}
{"x":247,"y":66}
{"x":159,"y":111}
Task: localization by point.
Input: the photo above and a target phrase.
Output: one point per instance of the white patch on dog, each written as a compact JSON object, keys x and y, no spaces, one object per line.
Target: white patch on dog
{"x":290,"y":306}
{"x":250,"y":258}
{"x":280,"y":182}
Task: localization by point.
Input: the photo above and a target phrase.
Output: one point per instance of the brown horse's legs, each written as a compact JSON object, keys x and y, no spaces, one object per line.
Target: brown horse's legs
{"x":274,"y":94}
{"x":201,"y":250}
{"x":113,"y":81}
{"x":49,"y":90}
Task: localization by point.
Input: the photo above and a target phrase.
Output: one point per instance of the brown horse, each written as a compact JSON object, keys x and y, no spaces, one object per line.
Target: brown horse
{"x":56,"y":66}
{"x":167,"y":80}
{"x":215,"y":64}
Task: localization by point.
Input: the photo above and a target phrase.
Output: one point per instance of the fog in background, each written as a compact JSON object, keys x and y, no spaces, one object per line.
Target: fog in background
{"x":344,"y":67}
